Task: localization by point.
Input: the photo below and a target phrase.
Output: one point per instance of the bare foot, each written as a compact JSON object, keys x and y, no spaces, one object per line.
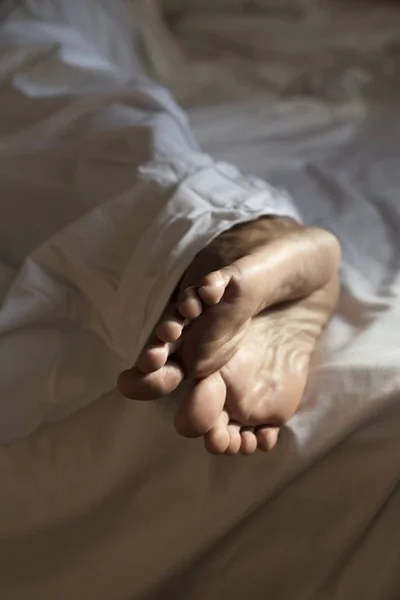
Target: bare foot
{"x":259,"y":265}
{"x":242,"y":406}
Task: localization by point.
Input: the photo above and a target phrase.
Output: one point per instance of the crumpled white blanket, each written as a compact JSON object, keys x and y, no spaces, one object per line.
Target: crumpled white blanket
{"x":106,"y":200}
{"x":109,"y":503}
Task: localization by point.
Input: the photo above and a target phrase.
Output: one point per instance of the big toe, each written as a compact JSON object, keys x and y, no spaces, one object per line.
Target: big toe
{"x":200,"y":411}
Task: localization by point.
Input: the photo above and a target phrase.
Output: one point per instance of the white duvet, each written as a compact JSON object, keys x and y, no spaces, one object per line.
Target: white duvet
{"x":96,"y":230}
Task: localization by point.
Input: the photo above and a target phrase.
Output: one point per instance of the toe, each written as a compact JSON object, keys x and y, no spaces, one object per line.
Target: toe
{"x":200,"y":411}
{"x":190,"y":306}
{"x":170,"y":329}
{"x":218,"y":438}
{"x":152,"y":358}
{"x":235,"y":441}
{"x":137,"y":386}
{"x":213,"y":286}
{"x":267,"y":438}
{"x":249,"y":441}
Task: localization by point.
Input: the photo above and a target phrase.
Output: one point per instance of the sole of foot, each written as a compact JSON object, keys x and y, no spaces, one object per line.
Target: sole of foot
{"x":242,"y":406}
{"x":214,"y":322}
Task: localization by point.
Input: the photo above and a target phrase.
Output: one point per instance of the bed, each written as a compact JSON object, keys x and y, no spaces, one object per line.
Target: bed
{"x":108,"y":502}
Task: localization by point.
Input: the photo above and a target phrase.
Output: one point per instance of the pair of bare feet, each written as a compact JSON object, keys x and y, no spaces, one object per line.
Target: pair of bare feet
{"x":249,"y":312}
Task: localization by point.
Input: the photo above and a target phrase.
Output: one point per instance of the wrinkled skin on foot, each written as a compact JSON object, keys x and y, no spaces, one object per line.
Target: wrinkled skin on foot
{"x":250,"y":310}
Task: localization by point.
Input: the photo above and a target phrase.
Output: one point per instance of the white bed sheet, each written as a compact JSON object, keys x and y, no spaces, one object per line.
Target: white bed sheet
{"x":109,"y":503}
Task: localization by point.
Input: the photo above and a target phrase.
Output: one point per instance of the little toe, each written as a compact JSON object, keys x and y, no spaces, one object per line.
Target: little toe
{"x":249,"y":441}
{"x":213,"y":286}
{"x":170,"y":329}
{"x":190,"y":306}
{"x":267,"y":438}
{"x":200,"y":411}
{"x":216,"y":441}
{"x":137,"y":386}
{"x":235,"y":441}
